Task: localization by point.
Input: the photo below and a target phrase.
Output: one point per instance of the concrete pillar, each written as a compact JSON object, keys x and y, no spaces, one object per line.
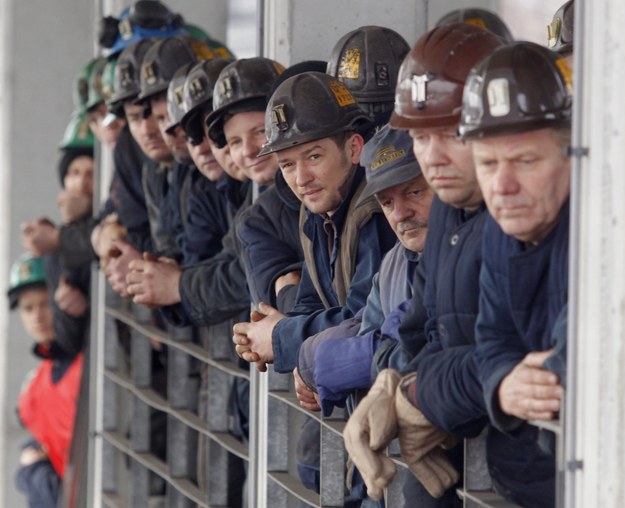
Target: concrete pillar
{"x":600,"y":316}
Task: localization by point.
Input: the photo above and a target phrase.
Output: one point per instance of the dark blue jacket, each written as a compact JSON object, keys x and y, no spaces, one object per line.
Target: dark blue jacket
{"x":127,"y":192}
{"x":523,"y":291}
{"x":309,"y":316}
{"x":165,"y":202}
{"x":206,"y":221}
{"x":338,"y":360}
{"x":214,"y":289}
{"x":270,"y":244}
{"x":39,"y":482}
{"x":449,"y":391}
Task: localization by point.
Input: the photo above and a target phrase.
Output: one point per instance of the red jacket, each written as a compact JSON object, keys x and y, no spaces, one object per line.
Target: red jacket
{"x":47,"y":409}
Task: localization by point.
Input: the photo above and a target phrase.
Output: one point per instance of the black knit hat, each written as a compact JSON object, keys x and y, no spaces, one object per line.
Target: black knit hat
{"x":68,"y":156}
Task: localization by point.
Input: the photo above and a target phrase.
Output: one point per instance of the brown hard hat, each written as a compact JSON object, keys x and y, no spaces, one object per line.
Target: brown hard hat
{"x":431,"y":78}
{"x":520,"y":87}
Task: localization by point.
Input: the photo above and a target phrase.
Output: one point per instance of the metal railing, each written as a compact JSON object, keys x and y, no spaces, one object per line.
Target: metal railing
{"x":186,"y":402}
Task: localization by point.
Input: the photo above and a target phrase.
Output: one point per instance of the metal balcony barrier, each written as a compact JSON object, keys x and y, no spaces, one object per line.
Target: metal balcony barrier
{"x":167,"y":434}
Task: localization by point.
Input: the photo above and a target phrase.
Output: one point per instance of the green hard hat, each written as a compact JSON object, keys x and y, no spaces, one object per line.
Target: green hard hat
{"x":27,"y":272}
{"x":78,"y":134}
{"x":219,"y":48}
{"x":101,"y":83}
{"x":80,"y":93}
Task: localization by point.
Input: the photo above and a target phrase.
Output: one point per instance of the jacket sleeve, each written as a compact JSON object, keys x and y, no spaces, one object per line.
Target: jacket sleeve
{"x":75,"y":243}
{"x":499,"y":348}
{"x":399,"y":352}
{"x":206,"y":224}
{"x":309,"y":316}
{"x":265,"y":253}
{"x":41,"y":484}
{"x":128,"y":195}
{"x":215,"y":289}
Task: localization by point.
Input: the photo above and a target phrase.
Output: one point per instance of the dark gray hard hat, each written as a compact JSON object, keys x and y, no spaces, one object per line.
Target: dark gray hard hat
{"x":310,"y":106}
{"x":242,"y":86}
{"x":197,"y":96}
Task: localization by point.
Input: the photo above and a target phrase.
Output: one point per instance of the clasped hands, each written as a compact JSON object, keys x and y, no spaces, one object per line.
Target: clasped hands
{"x":253,"y":339}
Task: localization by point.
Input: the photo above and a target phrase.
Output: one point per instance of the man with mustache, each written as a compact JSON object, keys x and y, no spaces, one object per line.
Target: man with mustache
{"x":428,"y":104}
{"x":335,"y":362}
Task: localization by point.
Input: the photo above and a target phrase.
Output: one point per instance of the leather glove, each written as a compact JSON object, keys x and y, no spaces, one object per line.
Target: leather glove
{"x":420,"y":443}
{"x":370,"y":429}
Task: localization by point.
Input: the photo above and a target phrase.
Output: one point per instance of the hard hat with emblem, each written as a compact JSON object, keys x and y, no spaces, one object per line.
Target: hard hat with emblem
{"x":101,"y":83}
{"x":77,"y":134}
{"x":520,"y":87}
{"x":242,"y":86}
{"x":127,"y":83}
{"x":165,"y":57}
{"x":431,"y":78}
{"x":197,"y":96}
{"x":27,"y":272}
{"x":367,"y":61}
{"x":560,"y":30}
{"x":81,"y":84}
{"x":310,"y":106}
{"x":145,"y":18}
{"x":175,"y":107}
{"x":481,"y":18}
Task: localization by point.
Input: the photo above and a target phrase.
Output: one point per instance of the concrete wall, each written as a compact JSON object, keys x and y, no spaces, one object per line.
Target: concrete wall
{"x":41,"y":54}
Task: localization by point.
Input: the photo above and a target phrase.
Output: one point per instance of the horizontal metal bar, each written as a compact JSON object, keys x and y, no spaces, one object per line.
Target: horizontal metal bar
{"x":112,"y":500}
{"x":486,"y":499}
{"x":158,"y":467}
{"x":550,"y":425}
{"x":290,"y":399}
{"x":188,"y":347}
{"x":154,"y":400}
{"x":294,"y":487}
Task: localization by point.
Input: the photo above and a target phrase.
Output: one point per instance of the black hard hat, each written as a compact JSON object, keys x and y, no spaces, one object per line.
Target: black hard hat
{"x":432,"y":77}
{"x":367,"y":61}
{"x":175,"y":108}
{"x":242,"y":86}
{"x":481,"y":18}
{"x":520,"y":87}
{"x":560,"y":30}
{"x":165,"y":57}
{"x":127,"y":73}
{"x":197,"y":96}
{"x":310,"y":106}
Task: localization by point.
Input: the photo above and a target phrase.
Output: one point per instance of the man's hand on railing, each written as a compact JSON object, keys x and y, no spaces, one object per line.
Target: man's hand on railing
{"x":308,"y":399}
{"x":117,"y":267}
{"x":70,"y":299}
{"x":530,"y":392}
{"x":253,"y":342}
{"x":154,"y":282}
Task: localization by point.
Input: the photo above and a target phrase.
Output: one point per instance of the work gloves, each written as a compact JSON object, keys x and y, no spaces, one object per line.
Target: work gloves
{"x":381,"y":416}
